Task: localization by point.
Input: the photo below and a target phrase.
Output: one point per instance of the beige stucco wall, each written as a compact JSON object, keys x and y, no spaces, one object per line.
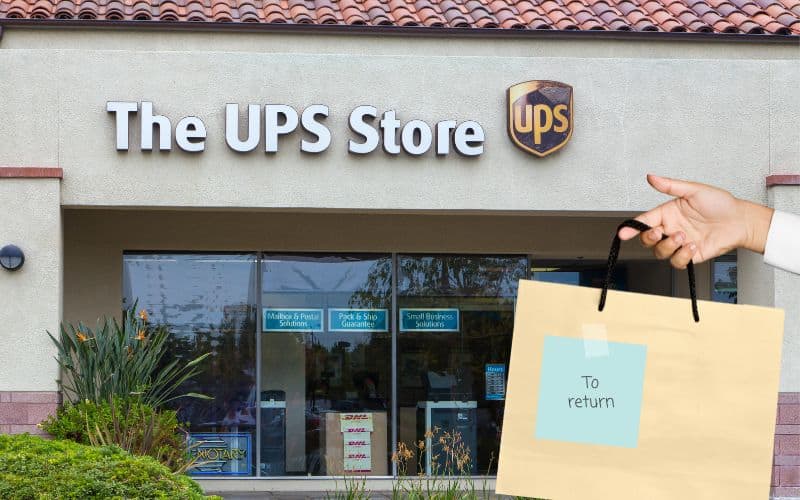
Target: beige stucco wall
{"x":722,"y":113}
{"x":705,"y":111}
{"x":784,"y":145}
{"x":760,"y":284}
{"x":30,"y":298}
{"x":787,"y":295}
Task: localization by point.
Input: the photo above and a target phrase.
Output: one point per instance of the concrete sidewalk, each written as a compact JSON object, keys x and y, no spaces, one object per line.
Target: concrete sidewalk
{"x":298,"y":495}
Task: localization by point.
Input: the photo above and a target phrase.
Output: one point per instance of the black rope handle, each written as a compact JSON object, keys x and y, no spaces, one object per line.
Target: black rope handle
{"x":612,"y":261}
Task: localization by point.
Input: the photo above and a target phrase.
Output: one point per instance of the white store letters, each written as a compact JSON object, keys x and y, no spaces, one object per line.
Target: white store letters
{"x":415,"y":137}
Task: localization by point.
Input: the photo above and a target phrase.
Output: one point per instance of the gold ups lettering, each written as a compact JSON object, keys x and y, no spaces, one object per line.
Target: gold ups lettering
{"x":540,"y":116}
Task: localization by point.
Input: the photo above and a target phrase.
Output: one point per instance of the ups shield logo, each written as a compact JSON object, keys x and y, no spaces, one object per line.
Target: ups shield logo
{"x":540,"y":116}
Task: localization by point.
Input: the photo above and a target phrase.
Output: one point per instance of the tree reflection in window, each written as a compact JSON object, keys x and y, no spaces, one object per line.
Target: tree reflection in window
{"x":208,"y":302}
{"x":483,"y":289}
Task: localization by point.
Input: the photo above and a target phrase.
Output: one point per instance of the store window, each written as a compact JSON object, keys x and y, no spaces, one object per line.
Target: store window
{"x":208,"y":301}
{"x":642,"y":276}
{"x":456,"y":317}
{"x":326,"y":364}
{"x":301,"y":371}
{"x":724,"y":287}
{"x":589,"y":274}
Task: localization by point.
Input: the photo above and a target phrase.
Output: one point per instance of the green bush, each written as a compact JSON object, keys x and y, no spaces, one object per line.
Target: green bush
{"x":35,"y":468}
{"x":72,"y":420}
{"x":130,"y":424}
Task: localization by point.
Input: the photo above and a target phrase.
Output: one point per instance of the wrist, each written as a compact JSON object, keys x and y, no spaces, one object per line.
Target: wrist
{"x":757,"y":220}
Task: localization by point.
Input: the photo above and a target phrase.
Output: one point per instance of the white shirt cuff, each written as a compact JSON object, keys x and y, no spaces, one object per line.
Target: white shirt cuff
{"x":783,"y":242}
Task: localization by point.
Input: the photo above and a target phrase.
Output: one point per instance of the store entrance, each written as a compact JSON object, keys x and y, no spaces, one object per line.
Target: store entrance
{"x":325,"y":368}
{"x":326,"y":364}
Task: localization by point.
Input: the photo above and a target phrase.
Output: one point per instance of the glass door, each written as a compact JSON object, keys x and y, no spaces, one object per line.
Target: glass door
{"x":325,"y":391}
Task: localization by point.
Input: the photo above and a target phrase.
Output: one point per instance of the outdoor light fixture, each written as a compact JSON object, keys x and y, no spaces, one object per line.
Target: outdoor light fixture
{"x":11,"y":257}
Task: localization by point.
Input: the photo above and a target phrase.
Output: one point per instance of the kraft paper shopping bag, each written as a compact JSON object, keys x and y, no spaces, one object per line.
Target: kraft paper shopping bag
{"x":639,"y":400}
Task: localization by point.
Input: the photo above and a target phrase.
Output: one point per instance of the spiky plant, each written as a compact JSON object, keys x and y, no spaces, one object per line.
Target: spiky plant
{"x":122,"y":359}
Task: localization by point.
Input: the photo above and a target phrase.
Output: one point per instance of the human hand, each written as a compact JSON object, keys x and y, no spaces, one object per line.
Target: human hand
{"x":702,"y":222}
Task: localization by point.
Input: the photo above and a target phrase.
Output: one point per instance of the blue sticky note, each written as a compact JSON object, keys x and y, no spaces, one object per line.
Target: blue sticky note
{"x":590,"y":399}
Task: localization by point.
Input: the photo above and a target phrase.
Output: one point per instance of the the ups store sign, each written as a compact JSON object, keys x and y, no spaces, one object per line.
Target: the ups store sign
{"x":540,"y":116}
{"x":539,"y":122}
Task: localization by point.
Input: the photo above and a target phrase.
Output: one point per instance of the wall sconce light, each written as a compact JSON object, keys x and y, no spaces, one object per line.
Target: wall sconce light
{"x":11,"y":257}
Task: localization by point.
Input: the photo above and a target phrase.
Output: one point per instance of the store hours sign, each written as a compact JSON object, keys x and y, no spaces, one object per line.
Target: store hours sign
{"x":273,"y":124}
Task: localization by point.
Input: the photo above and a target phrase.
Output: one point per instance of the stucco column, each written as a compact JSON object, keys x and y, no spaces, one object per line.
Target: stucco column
{"x":784,"y":194}
{"x":760,"y":284}
{"x":30,"y":218}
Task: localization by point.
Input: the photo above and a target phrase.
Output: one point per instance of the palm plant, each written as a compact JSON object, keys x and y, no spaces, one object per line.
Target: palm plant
{"x":121,"y":359}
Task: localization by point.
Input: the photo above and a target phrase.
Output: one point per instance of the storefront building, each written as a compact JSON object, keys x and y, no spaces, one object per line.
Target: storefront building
{"x":337,"y":199}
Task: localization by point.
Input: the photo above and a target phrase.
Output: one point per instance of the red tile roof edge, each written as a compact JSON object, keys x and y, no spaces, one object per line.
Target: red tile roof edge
{"x":394,"y":30}
{"x":769,"y":17}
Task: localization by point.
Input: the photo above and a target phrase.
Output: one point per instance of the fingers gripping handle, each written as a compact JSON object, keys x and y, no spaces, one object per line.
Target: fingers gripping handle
{"x":613,"y":254}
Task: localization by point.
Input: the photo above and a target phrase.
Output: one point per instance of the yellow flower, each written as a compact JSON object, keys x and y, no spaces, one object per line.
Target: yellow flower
{"x":143,"y":315}
{"x":81,"y":336}
{"x":140,"y":335}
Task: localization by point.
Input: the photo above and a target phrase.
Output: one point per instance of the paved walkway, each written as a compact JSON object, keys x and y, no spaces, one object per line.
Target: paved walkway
{"x":299,"y":495}
{"x":310,"y":495}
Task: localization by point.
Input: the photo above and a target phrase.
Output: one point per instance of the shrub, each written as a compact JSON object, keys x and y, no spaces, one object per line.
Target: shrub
{"x":121,"y":359}
{"x":73,"y":420}
{"x":35,"y":468}
{"x":451,"y":470}
{"x":130,"y":424}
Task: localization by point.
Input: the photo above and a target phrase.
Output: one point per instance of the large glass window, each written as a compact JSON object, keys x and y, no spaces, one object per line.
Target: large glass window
{"x":456,"y":316}
{"x":209,"y":304}
{"x":326,"y":364}
{"x":301,"y":371}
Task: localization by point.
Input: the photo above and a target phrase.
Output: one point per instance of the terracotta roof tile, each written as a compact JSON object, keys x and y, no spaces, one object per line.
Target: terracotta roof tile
{"x":724,"y":26}
{"x":718,"y":16}
{"x":628,"y":8}
{"x":430,"y":17}
{"x":795,"y":9}
{"x":763,"y":18}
